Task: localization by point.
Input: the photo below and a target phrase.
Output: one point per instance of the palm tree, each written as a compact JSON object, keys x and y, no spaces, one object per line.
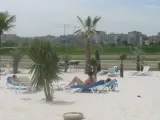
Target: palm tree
{"x":122,"y":57}
{"x":88,"y":30}
{"x":6,"y":23}
{"x":45,"y":68}
{"x":16,"y":54}
{"x":138,"y":52}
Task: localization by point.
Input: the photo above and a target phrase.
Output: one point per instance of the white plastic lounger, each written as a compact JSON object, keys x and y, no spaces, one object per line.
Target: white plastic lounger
{"x":144,"y":73}
{"x":135,"y":73}
{"x":113,"y":71}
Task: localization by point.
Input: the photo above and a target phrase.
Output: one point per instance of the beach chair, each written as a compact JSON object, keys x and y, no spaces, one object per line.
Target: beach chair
{"x":92,"y":87}
{"x":2,"y":71}
{"x":18,"y":85}
{"x":113,"y":71}
{"x":104,"y":72}
{"x":111,"y":85}
{"x":134,"y":73}
{"x":144,"y":73}
{"x":139,"y":73}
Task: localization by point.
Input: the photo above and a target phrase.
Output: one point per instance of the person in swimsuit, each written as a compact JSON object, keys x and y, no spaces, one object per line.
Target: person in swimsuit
{"x":76,"y":81}
{"x":14,"y":78}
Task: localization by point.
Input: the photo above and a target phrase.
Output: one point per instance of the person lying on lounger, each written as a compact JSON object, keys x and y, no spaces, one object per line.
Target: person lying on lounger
{"x":15,"y":79}
{"x":107,"y":80}
{"x":76,"y":81}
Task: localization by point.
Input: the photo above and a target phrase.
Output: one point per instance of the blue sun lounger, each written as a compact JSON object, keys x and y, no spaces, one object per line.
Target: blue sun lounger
{"x":16,"y":85}
{"x":111,"y":84}
{"x":91,"y":87}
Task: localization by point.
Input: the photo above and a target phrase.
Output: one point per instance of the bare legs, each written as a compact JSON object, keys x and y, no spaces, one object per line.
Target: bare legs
{"x":77,"y":81}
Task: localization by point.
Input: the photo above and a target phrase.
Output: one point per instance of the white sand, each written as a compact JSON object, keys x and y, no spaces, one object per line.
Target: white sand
{"x":122,"y":105}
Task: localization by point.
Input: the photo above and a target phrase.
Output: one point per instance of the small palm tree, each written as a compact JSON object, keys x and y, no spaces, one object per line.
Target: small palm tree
{"x":66,"y":60}
{"x":122,"y":57}
{"x":45,"y":68}
{"x":16,"y":54}
{"x":88,"y":30}
{"x":95,"y":64}
{"x":142,"y":62}
{"x":138,"y":52}
{"x":97,"y":57}
{"x":6,"y":23}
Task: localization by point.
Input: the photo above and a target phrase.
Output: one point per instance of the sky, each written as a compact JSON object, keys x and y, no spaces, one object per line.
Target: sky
{"x":47,"y":17}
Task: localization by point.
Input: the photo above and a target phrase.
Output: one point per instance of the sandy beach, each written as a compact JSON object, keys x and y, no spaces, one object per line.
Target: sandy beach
{"x":121,"y":105}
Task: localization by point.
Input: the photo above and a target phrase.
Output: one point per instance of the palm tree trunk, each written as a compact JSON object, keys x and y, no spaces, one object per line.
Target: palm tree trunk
{"x":0,"y":39}
{"x":121,"y":68}
{"x":48,"y":92}
{"x":87,"y":55}
{"x":0,"y":44}
{"x":138,"y":63}
{"x":15,"y":68}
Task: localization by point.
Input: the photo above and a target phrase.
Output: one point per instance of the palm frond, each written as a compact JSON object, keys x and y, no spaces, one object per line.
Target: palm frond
{"x":78,"y":31}
{"x":84,"y":26}
{"x":45,"y":68}
{"x":6,"y":21}
{"x":95,"y":21}
{"x":88,"y":22}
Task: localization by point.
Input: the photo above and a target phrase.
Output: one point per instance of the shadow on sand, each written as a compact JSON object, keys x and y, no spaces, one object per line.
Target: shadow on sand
{"x":59,"y":102}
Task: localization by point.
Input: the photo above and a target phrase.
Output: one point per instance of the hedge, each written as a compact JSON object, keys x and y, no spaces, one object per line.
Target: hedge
{"x":77,"y":50}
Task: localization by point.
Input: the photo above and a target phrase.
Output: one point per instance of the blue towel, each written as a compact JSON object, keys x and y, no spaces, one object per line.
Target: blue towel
{"x":101,"y":82}
{"x":116,"y":69}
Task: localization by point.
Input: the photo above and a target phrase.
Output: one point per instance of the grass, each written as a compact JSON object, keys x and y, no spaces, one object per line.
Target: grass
{"x":79,"y":50}
{"x":146,"y":59}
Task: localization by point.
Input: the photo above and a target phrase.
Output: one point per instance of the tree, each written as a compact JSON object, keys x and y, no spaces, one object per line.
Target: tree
{"x":125,"y":43}
{"x":45,"y":68}
{"x":66,"y":59}
{"x":122,"y":57}
{"x":95,"y":64}
{"x":97,"y":57}
{"x":16,"y":54}
{"x":6,"y":23}
{"x":88,"y":30}
{"x":138,"y":52}
{"x":10,"y":44}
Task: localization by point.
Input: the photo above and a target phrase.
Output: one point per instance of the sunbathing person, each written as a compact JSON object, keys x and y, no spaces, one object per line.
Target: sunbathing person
{"x":76,"y":81}
{"x":107,"y":80}
{"x":112,"y":83}
{"x":15,"y":79}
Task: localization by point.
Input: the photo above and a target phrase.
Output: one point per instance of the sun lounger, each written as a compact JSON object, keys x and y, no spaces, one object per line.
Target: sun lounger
{"x":96,"y":87}
{"x":139,"y":73}
{"x":2,"y":71}
{"x":143,"y":73}
{"x":134,"y":73}
{"x":111,"y":85}
{"x":110,"y":72}
{"x":92,"y":87}
{"x":113,"y":71}
{"x":18,"y":85}
{"x":103,"y":73}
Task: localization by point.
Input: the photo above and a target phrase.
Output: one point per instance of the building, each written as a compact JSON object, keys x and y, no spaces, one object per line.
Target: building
{"x":112,"y":38}
{"x":99,"y":37}
{"x":121,"y":38}
{"x":9,"y":37}
{"x":154,"y":38}
{"x":135,"y":38}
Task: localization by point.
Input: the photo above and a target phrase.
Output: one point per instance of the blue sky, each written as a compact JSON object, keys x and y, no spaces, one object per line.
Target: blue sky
{"x":42,"y":17}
